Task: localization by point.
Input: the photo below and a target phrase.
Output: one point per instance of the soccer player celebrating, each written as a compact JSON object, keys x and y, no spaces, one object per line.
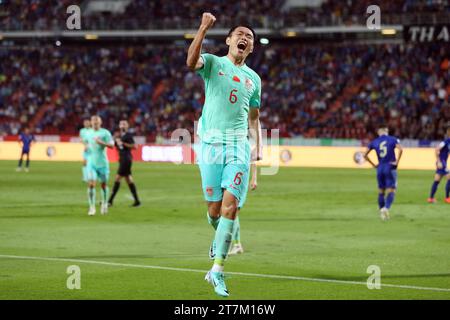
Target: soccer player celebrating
{"x":232,"y":101}
{"x":26,"y":139}
{"x":84,"y":135}
{"x":442,"y":152}
{"x":98,"y":165}
{"x":124,"y":145}
{"x":385,"y":146}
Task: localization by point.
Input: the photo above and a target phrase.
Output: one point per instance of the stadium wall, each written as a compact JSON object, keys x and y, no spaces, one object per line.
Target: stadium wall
{"x":341,"y":157}
{"x":43,"y":151}
{"x":73,"y":151}
{"x":283,"y":156}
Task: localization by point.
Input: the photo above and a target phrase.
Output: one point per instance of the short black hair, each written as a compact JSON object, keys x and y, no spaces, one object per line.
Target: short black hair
{"x":245,"y":26}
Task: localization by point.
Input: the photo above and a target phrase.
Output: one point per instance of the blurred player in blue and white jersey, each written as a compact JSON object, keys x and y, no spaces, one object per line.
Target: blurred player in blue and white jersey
{"x":26,"y":139}
{"x":385,"y":146}
{"x":442,"y":170}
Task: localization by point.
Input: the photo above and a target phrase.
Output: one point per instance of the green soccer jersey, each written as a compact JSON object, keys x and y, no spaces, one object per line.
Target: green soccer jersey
{"x":98,"y":155}
{"x":230,"y":91}
{"x":84,"y":134}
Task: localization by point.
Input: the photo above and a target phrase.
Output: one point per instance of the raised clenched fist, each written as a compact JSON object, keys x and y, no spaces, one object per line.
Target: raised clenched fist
{"x":208,"y":20}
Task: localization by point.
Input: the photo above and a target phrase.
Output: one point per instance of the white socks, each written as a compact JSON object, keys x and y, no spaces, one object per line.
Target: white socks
{"x":217,"y":268}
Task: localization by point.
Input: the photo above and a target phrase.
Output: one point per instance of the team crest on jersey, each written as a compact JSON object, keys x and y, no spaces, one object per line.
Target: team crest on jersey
{"x":248,"y":83}
{"x":221,"y":73}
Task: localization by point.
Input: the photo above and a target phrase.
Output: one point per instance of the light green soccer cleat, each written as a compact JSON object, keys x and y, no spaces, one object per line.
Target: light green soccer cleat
{"x":217,"y":279}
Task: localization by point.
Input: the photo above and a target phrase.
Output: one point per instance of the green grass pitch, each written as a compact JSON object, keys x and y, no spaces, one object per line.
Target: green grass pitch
{"x":310,"y":224}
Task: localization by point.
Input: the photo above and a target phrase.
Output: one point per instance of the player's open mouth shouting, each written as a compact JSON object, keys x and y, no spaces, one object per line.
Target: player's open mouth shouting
{"x":242,"y":45}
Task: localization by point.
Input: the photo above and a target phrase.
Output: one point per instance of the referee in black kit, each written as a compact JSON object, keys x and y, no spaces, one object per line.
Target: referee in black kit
{"x":124,"y":145}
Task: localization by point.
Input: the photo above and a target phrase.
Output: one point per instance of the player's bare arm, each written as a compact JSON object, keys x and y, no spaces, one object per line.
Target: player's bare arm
{"x":128,"y":145}
{"x":254,"y":180}
{"x":125,"y":144}
{"x":193,"y":60}
{"x":400,"y":153}
{"x":256,"y":155}
{"x":366,"y":156}
{"x":108,"y":145}
{"x":118,"y":141}
{"x":438,"y":159}
{"x":255,"y":129}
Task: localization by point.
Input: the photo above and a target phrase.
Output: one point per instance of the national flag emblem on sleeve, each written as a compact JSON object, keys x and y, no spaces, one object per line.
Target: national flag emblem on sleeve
{"x":248,"y":83}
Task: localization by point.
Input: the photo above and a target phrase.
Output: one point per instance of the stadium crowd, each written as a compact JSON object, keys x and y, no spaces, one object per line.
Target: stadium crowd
{"x":337,"y":12}
{"x":151,"y":14}
{"x":334,"y":91}
{"x":139,"y":14}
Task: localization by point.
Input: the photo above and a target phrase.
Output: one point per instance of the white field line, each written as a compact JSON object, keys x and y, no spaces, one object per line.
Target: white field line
{"x":256,"y":275}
